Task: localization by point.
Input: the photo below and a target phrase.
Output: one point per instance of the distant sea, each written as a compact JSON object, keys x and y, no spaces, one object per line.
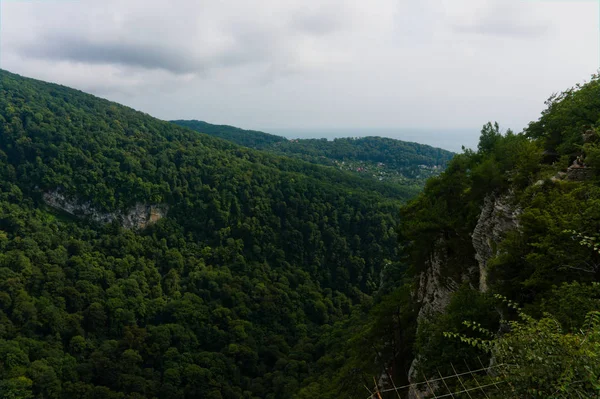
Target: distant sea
{"x":448,"y":139}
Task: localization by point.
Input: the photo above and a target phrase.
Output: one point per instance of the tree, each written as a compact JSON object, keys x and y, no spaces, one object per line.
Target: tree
{"x":540,"y":359}
{"x":16,"y":388}
{"x":490,"y":134}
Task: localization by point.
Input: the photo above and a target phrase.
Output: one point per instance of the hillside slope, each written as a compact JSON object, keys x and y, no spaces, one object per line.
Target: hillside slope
{"x":140,"y":259}
{"x":518,"y":219}
{"x":376,"y":158}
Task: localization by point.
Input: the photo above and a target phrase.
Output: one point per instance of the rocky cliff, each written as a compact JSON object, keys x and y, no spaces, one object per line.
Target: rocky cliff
{"x":497,"y":217}
{"x":435,"y":288}
{"x":138,"y":217}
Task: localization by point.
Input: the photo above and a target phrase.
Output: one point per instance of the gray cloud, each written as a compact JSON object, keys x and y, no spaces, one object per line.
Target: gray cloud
{"x":60,"y":48}
{"x":191,"y":42}
{"x":505,"y":18}
{"x":247,"y":47}
{"x":318,"y":22}
{"x":504,"y":28}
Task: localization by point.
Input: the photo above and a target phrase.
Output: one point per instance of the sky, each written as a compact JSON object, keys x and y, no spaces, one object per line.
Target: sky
{"x":436,"y":65}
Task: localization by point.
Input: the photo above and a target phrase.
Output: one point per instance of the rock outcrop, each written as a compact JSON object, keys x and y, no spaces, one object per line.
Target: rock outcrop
{"x":497,"y":217}
{"x":433,"y":295}
{"x":435,"y":289}
{"x":142,"y":216}
{"x":138,"y":217}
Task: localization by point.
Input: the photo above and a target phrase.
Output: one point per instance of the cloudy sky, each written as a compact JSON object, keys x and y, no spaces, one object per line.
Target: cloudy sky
{"x":307,"y":64}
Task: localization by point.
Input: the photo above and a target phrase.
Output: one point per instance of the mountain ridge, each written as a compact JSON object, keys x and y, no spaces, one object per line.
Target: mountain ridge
{"x":380,"y":158}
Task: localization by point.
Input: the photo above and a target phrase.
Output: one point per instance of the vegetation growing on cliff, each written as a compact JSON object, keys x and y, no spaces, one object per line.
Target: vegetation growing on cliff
{"x":539,"y":358}
{"x":540,"y":265}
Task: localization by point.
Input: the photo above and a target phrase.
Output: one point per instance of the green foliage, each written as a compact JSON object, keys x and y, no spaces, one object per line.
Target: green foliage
{"x":369,"y":343}
{"x":16,"y":388}
{"x":466,"y":304}
{"x":567,"y":116}
{"x":490,"y":135}
{"x":569,"y":303}
{"x":443,"y":217}
{"x":227,"y":297}
{"x":543,"y":361}
{"x":247,"y":138}
{"x":539,"y":253}
{"x":265,"y":279}
{"x":591,"y":149}
{"x":379,"y":158}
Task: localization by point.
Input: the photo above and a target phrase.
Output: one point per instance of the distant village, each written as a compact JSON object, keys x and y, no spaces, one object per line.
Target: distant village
{"x":382,"y":172}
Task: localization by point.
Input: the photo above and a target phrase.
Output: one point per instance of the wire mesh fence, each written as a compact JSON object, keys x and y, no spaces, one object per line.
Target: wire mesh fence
{"x":482,"y":383}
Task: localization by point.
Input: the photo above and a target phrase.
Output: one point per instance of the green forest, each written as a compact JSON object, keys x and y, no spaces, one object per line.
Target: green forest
{"x":536,"y":312}
{"x":378,"y":158}
{"x":141,"y":259}
{"x":225,"y":297}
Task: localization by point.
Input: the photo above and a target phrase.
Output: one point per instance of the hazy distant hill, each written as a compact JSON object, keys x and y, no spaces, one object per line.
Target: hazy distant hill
{"x":374,"y":157}
{"x":247,"y":138}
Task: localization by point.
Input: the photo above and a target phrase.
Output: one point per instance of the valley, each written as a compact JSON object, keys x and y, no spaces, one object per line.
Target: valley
{"x":143,"y":259}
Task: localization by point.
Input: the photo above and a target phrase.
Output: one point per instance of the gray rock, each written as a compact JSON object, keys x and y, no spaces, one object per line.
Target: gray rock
{"x":497,"y":217}
{"x":434,"y":290}
{"x":138,"y":217}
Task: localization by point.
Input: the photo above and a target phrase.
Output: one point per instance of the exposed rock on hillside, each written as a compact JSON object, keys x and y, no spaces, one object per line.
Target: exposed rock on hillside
{"x":435,"y":289}
{"x":495,"y":220}
{"x":143,"y":215}
{"x":138,"y":217}
{"x":433,"y":295}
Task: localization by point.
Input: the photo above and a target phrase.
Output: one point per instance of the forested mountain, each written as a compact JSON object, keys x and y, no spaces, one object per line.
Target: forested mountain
{"x":246,"y":138}
{"x":504,"y":271}
{"x":140,"y":259}
{"x":378,"y":158}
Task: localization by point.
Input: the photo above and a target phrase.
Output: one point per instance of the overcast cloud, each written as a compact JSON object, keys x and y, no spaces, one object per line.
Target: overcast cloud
{"x":267,"y":64}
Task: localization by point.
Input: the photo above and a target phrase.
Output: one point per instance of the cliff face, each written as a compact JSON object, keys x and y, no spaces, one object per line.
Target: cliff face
{"x":142,"y":216}
{"x":433,"y":295}
{"x":138,"y":217}
{"x":497,"y":217}
{"x":435,"y":288}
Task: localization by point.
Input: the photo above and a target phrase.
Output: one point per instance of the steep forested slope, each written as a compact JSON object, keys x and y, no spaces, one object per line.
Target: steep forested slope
{"x":504,"y":268}
{"x":246,"y":258}
{"x":376,"y":158}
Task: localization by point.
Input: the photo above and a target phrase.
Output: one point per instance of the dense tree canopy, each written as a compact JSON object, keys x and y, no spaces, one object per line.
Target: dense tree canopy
{"x":225,"y":297}
{"x":273,"y":277}
{"x":379,"y":158}
{"x":246,"y":138}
